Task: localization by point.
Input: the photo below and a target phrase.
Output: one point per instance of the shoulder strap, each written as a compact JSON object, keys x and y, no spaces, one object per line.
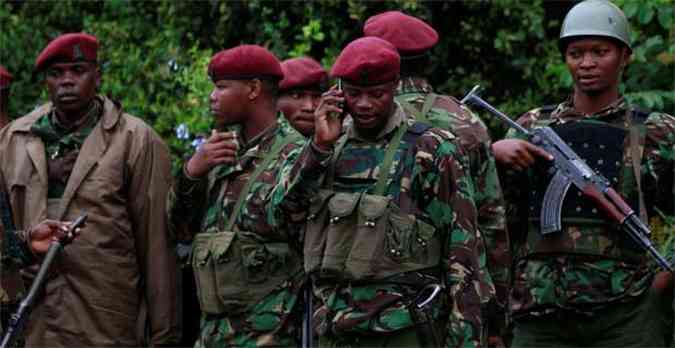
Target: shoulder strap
{"x":279,"y":144}
{"x":636,"y":118}
{"x":389,"y":158}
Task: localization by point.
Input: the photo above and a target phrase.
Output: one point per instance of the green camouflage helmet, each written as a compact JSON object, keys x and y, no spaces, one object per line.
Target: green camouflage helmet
{"x":595,"y":18}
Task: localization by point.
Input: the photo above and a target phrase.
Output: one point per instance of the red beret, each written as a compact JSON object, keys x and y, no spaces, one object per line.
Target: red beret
{"x":367,"y":61}
{"x":69,"y":47}
{"x":410,"y":35}
{"x":245,"y":62}
{"x":5,"y":78}
{"x":302,"y":72}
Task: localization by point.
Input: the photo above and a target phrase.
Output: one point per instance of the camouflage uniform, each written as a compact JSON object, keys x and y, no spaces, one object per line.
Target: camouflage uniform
{"x":569,"y":290}
{"x":447,"y":113}
{"x":428,"y":181}
{"x":202,"y":205}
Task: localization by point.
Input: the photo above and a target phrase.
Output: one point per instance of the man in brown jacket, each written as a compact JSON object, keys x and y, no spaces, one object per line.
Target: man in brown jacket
{"x":115,"y":285}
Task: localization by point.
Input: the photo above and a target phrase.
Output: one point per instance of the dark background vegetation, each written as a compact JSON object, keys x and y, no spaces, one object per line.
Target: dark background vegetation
{"x":154,"y":53}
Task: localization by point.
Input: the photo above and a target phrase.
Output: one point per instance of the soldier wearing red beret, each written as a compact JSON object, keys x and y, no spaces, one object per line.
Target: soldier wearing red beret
{"x":300,"y":91}
{"x":5,"y":82}
{"x":115,"y":285}
{"x":414,"y":39}
{"x":248,"y":270}
{"x":393,"y":224}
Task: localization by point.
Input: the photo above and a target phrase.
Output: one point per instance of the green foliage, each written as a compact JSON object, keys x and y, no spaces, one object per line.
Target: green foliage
{"x":154,"y":53}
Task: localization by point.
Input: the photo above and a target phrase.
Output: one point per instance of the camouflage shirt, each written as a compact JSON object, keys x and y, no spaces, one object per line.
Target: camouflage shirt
{"x":196,"y":205}
{"x":446,"y":112}
{"x":551,"y":282}
{"x":432,"y":182}
{"x":60,"y":141}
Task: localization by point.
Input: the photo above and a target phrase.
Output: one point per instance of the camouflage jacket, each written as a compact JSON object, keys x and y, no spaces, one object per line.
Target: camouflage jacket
{"x":580,"y":283}
{"x":433,"y":183}
{"x":195,"y":207}
{"x":446,"y":112}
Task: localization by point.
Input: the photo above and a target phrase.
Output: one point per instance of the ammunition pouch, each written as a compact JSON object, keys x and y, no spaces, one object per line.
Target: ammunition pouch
{"x":360,"y":236}
{"x":234,"y":271}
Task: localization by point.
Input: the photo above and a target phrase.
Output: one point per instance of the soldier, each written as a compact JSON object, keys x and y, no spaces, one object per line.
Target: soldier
{"x":300,"y":92}
{"x":248,"y":272}
{"x":5,"y":82}
{"x":392,"y":218}
{"x":589,"y":284}
{"x":414,"y":39}
{"x":115,"y":284}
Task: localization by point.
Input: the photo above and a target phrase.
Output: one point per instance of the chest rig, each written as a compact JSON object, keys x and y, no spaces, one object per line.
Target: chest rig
{"x":586,"y":230}
{"x":359,"y":236}
{"x":235,"y":269}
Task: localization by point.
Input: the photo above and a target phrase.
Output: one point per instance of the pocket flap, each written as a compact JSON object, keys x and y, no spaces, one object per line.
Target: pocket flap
{"x":343,"y":204}
{"x":318,"y":201}
{"x":220,"y":243}
{"x":200,"y":248}
{"x":372,"y":207}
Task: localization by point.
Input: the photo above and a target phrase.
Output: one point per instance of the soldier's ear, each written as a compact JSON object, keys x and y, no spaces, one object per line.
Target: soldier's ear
{"x":254,"y":89}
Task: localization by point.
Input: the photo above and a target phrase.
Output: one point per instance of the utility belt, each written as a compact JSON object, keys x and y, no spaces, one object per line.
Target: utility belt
{"x":234,"y":271}
{"x":366,"y":237}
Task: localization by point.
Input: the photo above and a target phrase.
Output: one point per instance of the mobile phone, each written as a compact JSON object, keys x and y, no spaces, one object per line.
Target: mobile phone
{"x":340,"y":105}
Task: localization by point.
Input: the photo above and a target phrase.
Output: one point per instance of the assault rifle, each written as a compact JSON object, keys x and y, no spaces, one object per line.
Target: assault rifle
{"x":570,"y":169}
{"x":19,"y":318}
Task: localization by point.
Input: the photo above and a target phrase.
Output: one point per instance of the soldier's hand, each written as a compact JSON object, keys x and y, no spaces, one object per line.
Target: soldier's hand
{"x":663,"y":283}
{"x":219,"y":148}
{"x":42,"y":235}
{"x":518,"y":154}
{"x":328,"y":118}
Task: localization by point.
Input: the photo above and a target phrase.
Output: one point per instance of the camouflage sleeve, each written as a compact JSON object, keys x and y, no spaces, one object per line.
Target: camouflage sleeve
{"x":659,"y":156}
{"x":15,"y":253}
{"x":186,"y":205}
{"x":298,"y":178}
{"x":447,"y":196}
{"x":492,"y":225}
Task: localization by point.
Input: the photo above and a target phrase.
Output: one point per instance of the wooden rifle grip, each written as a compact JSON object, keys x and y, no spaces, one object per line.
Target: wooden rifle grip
{"x":606,"y":205}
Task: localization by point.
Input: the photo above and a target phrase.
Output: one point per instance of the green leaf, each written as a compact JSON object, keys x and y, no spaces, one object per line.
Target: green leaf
{"x":645,"y":14}
{"x":631,"y":8}
{"x":666,"y":17}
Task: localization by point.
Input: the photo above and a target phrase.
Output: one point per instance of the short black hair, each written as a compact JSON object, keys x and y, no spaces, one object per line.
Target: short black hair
{"x":412,"y":66}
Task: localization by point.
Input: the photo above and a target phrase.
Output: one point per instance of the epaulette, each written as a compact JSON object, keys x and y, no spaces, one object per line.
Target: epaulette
{"x":640,"y":115}
{"x":547,"y":110}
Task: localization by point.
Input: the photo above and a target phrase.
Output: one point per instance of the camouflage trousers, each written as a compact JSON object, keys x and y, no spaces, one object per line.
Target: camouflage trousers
{"x":645,"y":322}
{"x":403,"y":338}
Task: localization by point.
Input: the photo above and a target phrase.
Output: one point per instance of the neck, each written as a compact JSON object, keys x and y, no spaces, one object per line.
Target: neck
{"x":589,"y":104}
{"x":258,"y":122}
{"x":73,"y":118}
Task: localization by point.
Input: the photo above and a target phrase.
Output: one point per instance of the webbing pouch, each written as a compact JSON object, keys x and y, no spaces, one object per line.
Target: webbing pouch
{"x":340,"y":231}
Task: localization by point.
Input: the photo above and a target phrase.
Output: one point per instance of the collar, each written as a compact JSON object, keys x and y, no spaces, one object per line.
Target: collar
{"x":392,"y":125}
{"x":567,"y":112}
{"x":111,"y":115}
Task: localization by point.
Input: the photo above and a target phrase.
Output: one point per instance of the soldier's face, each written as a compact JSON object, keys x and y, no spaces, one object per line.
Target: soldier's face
{"x":298,"y":106}
{"x":596,"y":64}
{"x":228,"y":102}
{"x":371,"y":106}
{"x":72,"y":86}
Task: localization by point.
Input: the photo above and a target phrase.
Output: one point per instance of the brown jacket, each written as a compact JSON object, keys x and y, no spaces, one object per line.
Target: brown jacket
{"x":117,"y":281}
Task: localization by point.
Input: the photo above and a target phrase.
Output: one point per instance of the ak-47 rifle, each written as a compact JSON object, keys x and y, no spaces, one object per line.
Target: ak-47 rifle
{"x":570,"y":169}
{"x":19,"y":318}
